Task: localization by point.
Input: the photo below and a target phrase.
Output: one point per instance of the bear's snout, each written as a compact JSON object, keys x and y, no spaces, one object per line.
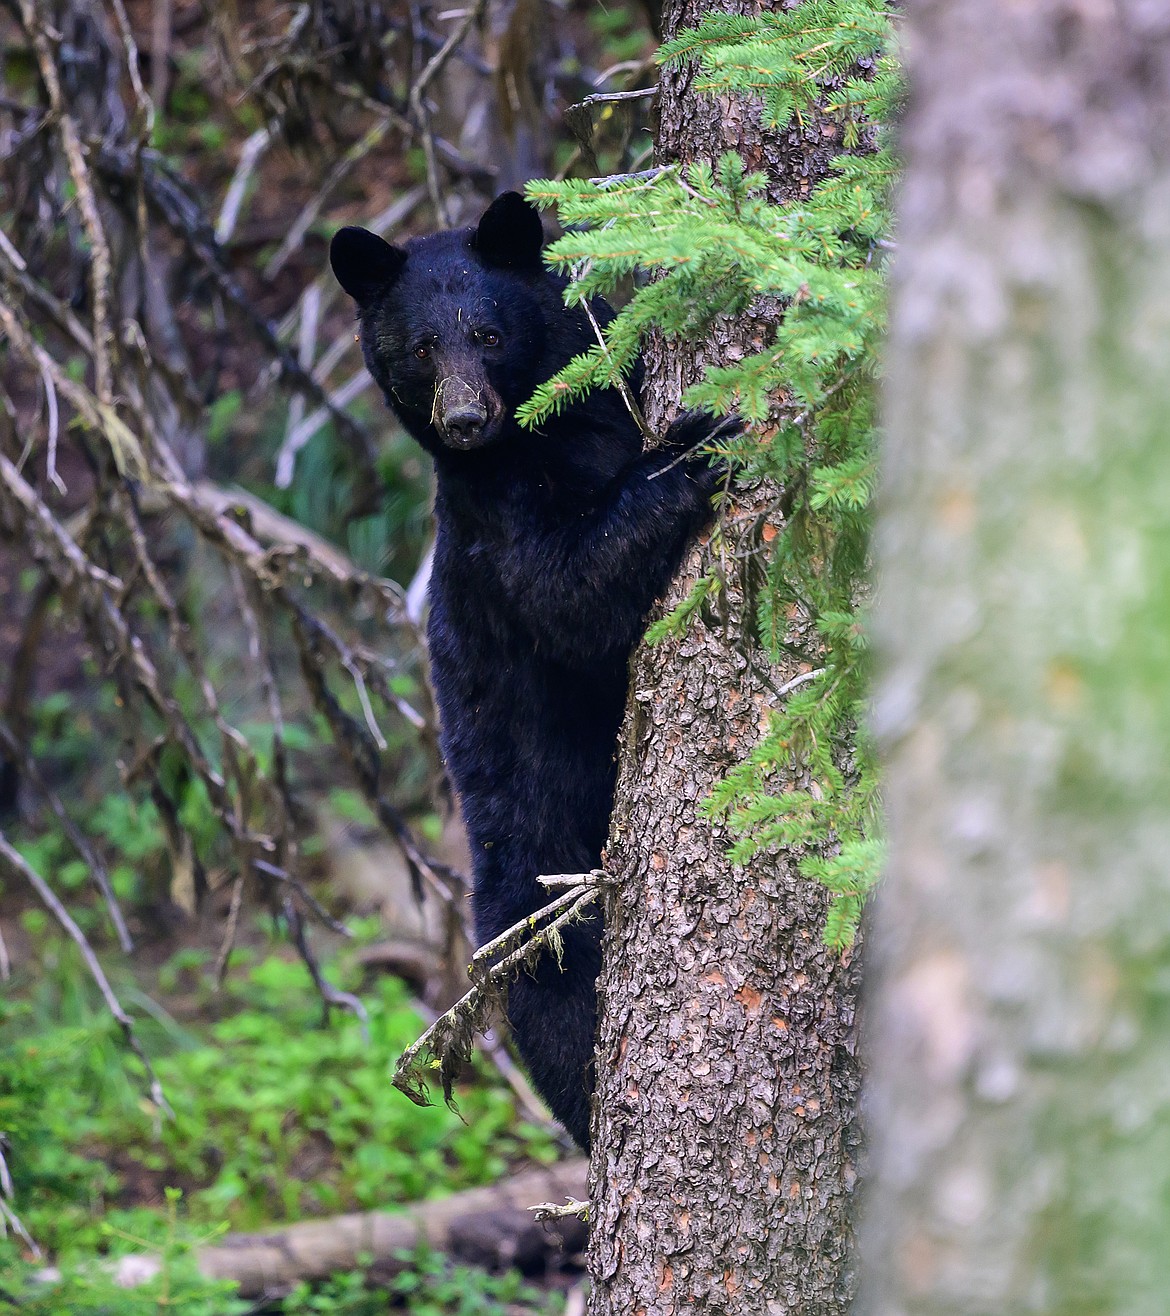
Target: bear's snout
{"x":462,"y":412}
{"x":464,"y":426}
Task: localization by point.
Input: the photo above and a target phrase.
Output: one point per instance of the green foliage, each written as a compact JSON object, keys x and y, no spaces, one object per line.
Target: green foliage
{"x":716,"y":245}
{"x":91,"y":1288}
{"x":428,"y":1286}
{"x":278,"y":1113}
{"x":788,"y":57}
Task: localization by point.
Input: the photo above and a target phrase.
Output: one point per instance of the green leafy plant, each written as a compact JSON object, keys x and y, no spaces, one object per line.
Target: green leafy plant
{"x":89,"y":1287}
{"x":277,"y":1113}
{"x":429,"y":1285}
{"x":715,"y":245}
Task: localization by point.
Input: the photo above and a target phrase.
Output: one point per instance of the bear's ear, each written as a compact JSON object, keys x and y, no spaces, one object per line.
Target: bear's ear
{"x":510,"y":233}
{"x":364,"y":263}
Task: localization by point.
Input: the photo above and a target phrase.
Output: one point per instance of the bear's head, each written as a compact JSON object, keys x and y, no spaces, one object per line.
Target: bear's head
{"x":453,"y":326}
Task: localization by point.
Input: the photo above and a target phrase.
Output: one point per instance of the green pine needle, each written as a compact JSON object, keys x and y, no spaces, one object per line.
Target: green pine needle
{"x":716,"y":245}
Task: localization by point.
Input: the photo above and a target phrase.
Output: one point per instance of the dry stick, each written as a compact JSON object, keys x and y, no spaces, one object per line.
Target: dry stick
{"x":235,"y":745}
{"x":583,"y":886}
{"x":213,"y":510}
{"x":145,"y":104}
{"x":642,"y":176}
{"x":306,"y":351}
{"x":233,"y":201}
{"x":18,"y":867}
{"x":326,"y":287}
{"x":611,"y":97}
{"x":98,"y":590}
{"x":345,"y":342}
{"x":329,"y":994}
{"x":418,"y":106}
{"x":343,"y":167}
{"x":525,"y":941}
{"x":98,"y":586}
{"x":363,"y":666}
{"x":29,"y":770}
{"x":459,"y":165}
{"x":521,"y":942}
{"x":311,"y":902}
{"x":183,"y":217}
{"x":14,"y":256}
{"x":100,"y":263}
{"x":204,"y":511}
{"x":258,"y":653}
{"x":297,"y":437}
{"x":616,"y":376}
{"x":353,"y":740}
{"x":54,"y":428}
{"x":160,"y":45}
{"x":237,"y":752}
{"x":234,"y":540}
{"x":206,"y":504}
{"x":310,"y":632}
{"x":8,"y":1217}
{"x":232,"y":820}
{"x":227,"y":945}
{"x":348,"y":658}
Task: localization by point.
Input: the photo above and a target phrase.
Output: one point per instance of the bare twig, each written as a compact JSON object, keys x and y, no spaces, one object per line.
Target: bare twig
{"x":797,"y":681}
{"x":100,"y":267}
{"x":614,"y":97}
{"x":11,"y":859}
{"x":329,"y":994}
{"x":353,"y":388}
{"x":617,"y":379}
{"x":341,"y":170}
{"x":233,"y":201}
{"x":448,"y":1041}
{"x":572,"y":1207}
{"x":8,"y":1217}
{"x":29,"y":770}
{"x":420,"y":112}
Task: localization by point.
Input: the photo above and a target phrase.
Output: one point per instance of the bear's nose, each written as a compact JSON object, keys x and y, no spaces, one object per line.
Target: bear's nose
{"x":464,"y":423}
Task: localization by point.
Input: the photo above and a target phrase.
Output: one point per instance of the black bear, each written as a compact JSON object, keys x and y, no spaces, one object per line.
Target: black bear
{"x":551,"y":546}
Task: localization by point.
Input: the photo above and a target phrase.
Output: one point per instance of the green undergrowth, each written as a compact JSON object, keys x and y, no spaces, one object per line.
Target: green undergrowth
{"x":713,"y":245}
{"x":426,"y":1285}
{"x":278,"y":1114}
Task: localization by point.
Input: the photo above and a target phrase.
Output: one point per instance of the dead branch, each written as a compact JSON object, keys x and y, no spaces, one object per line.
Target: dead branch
{"x":18,"y":754}
{"x":445,"y":1047}
{"x":490,"y":1227}
{"x":17,"y":867}
{"x":421,"y":113}
{"x":104,"y":391}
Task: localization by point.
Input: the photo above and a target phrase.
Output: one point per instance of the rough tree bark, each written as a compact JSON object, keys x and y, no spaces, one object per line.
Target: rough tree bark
{"x":1022,"y":1149}
{"x":725,"y":1128}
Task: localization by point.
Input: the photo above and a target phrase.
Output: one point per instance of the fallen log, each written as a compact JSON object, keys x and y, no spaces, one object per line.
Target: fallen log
{"x":491,"y":1227}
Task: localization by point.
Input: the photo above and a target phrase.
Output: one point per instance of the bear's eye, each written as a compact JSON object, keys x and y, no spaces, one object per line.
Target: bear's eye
{"x":489,"y":338}
{"x":422,"y":351}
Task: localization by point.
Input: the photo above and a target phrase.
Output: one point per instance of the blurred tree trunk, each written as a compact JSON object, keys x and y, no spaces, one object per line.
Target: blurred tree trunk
{"x":1022,"y":1147}
{"x":725,"y":1133}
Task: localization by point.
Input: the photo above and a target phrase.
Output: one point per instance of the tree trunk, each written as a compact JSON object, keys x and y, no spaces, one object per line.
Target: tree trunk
{"x":725,"y":1131}
{"x":1022,"y":1149}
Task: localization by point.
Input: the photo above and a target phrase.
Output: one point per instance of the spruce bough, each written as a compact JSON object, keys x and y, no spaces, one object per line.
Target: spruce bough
{"x":714,"y":245}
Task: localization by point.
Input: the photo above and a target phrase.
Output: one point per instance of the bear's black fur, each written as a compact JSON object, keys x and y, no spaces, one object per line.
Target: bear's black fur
{"x":551,"y":546}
